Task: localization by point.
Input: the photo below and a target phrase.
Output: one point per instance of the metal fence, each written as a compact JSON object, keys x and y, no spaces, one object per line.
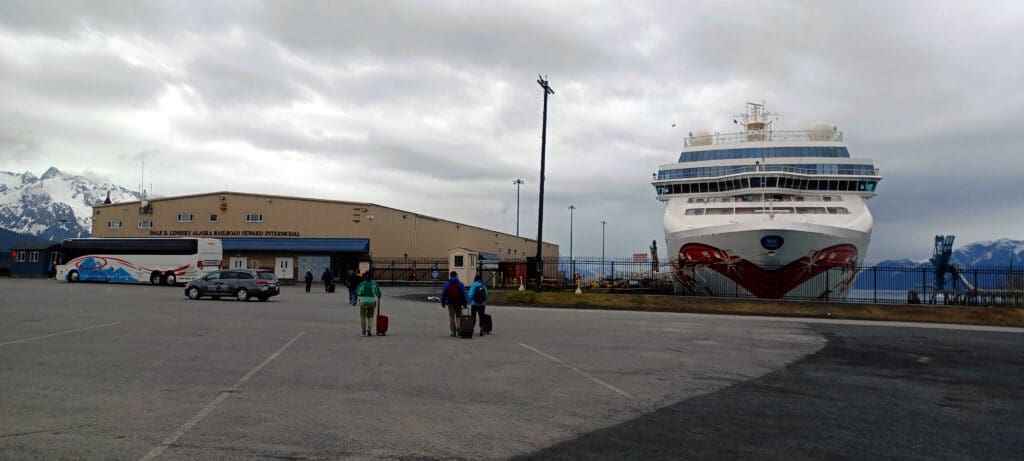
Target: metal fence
{"x":880,"y":284}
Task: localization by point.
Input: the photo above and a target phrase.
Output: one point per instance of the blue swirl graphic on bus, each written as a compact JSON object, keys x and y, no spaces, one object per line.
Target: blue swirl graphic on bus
{"x":98,"y":270}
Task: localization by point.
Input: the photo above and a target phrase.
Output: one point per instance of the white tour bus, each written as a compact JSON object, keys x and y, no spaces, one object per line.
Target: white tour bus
{"x":165,"y":261}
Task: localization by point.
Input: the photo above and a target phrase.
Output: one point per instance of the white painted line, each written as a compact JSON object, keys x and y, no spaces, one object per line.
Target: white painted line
{"x":577,"y":370}
{"x":156,"y":451}
{"x":58,"y":334}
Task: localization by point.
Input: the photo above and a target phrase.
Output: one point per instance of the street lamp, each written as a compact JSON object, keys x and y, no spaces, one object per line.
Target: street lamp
{"x":540,"y":205}
{"x":572,"y":262}
{"x":602,"y":247}
{"x":518,"y":182}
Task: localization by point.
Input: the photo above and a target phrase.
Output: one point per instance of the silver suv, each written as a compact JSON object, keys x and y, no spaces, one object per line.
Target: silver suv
{"x":240,"y":284}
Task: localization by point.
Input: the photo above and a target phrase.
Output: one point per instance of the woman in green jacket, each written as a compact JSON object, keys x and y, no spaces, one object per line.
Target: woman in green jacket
{"x":369,"y":296}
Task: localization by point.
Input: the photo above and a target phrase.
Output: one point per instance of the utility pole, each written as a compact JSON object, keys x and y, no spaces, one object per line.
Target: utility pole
{"x":572,"y":262}
{"x":518,"y":182}
{"x":540,"y":206}
{"x":602,"y":246}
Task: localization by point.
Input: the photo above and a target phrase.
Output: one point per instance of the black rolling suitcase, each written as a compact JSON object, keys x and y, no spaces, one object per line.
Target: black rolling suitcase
{"x":466,"y":324}
{"x":330,"y":288}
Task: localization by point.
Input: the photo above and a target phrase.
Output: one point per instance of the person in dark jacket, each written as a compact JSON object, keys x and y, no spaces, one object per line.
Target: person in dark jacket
{"x":454,"y":301}
{"x":309,"y":279}
{"x":353,"y":282}
{"x":327,"y":278}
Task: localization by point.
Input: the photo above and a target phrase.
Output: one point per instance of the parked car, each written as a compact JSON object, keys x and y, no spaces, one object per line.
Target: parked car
{"x":240,"y":284}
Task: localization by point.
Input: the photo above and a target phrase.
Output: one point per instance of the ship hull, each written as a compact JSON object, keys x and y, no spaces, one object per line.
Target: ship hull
{"x":779,"y":260}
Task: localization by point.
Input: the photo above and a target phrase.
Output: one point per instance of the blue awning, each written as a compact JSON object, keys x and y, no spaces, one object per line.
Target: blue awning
{"x":298,"y":245}
{"x":488,"y":257}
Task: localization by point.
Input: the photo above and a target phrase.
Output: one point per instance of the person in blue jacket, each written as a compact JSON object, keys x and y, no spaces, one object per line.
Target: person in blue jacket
{"x":478,"y":301}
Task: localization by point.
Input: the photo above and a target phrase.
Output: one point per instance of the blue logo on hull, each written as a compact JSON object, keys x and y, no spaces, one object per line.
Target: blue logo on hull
{"x":772,"y":242}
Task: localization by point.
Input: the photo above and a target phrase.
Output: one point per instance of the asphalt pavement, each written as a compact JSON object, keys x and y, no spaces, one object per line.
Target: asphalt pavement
{"x":95,"y":371}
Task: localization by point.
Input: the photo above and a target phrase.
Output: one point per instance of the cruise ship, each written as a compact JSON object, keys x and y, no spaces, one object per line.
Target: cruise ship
{"x":765,"y":213}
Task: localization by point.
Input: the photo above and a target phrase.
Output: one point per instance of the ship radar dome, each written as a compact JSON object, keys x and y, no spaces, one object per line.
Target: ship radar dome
{"x":821,"y":131}
{"x":701,"y":138}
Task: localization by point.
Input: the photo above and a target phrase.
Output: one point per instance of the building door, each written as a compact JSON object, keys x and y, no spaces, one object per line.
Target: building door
{"x":283,"y":268}
{"x":315,"y":264}
{"x":238,"y":262}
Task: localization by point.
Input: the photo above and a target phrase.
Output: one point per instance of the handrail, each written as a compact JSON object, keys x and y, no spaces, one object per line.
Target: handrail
{"x":763,"y":136}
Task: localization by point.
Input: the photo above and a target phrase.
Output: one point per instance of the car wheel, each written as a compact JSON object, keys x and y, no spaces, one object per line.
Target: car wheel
{"x":171,"y":279}
{"x":242,"y":294}
{"x":154,"y":278}
{"x":73,"y":276}
{"x":263,"y":298}
{"x":192,"y":293}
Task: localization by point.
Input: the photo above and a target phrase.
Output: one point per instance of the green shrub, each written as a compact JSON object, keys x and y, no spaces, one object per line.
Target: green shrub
{"x":522,"y":297}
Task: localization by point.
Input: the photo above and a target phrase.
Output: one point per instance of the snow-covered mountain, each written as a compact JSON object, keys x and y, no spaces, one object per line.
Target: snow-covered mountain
{"x":53,"y":206}
{"x":992,"y":259}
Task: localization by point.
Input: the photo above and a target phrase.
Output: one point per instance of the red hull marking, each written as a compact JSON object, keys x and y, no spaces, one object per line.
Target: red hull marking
{"x":763,"y":283}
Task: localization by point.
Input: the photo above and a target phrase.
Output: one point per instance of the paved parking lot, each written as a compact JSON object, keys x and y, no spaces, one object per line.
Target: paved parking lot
{"x":139,"y":372}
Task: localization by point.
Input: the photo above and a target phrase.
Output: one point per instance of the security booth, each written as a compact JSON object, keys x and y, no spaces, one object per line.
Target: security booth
{"x":462,"y":261}
{"x":34,"y":260}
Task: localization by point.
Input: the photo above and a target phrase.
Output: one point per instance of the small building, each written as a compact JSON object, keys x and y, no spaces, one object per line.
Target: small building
{"x":33,"y":259}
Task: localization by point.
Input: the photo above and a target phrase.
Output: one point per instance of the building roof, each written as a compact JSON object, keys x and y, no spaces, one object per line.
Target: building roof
{"x":34,"y":246}
{"x":298,"y":245}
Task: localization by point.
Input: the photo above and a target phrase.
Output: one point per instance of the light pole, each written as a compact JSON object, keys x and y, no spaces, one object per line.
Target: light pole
{"x":518,"y":182}
{"x":602,"y":247}
{"x":540,"y":205}
{"x":572,"y":262}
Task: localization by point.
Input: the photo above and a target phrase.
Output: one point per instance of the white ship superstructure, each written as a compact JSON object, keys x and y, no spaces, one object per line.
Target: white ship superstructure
{"x":767,"y":213}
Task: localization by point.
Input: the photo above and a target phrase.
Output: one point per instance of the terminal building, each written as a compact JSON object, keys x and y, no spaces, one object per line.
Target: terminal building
{"x":293,"y":234}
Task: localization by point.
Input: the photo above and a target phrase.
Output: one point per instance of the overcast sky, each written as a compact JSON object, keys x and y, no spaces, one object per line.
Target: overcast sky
{"x":433,"y":107}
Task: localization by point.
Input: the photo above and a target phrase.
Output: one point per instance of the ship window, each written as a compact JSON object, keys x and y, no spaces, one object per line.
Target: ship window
{"x":755,"y":182}
{"x":871,"y":186}
{"x":810,"y":210}
{"x":719,"y":211}
{"x":772,"y":182}
{"x":838,"y":210}
{"x":746,"y":210}
{"x":713,"y":187}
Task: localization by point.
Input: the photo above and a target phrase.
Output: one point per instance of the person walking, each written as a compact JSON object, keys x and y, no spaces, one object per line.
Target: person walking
{"x":327,"y":277}
{"x":453,"y":296}
{"x":478,"y":301}
{"x":309,"y":279}
{"x":352,"y":283}
{"x":369,"y":298}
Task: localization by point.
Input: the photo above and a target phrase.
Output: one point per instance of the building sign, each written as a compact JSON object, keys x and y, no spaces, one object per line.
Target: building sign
{"x":639,"y":257}
{"x":224,"y":233}
{"x":772,"y":242}
{"x":223,"y":207}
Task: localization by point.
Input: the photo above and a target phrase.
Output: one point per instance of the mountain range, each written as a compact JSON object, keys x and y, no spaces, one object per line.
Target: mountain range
{"x":54,"y":206}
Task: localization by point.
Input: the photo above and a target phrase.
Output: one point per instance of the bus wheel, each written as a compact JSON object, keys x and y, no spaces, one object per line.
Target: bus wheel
{"x":73,"y":276}
{"x":242,"y":294}
{"x":154,"y":278}
{"x":170,"y":278}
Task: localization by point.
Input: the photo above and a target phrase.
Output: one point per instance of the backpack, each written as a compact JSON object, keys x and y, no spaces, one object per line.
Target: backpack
{"x":454,"y":295}
{"x":480,"y":295}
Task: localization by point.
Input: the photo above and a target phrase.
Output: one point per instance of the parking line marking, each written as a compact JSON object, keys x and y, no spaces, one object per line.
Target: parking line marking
{"x":184,"y":429}
{"x":577,"y":370}
{"x":58,"y":334}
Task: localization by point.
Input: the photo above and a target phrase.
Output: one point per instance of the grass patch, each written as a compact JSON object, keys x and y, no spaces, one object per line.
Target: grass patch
{"x":997,"y":316}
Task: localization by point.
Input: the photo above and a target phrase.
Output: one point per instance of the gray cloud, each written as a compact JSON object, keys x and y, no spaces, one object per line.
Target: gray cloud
{"x":433,"y":107}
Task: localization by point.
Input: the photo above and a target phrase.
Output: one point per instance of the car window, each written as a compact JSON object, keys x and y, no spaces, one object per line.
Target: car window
{"x":267,"y":276}
{"x":244,"y":275}
{"x":229,"y":275}
{"x":213,"y":276}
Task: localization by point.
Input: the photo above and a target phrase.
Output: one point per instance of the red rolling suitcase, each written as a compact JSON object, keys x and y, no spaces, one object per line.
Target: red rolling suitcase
{"x":382,"y":322}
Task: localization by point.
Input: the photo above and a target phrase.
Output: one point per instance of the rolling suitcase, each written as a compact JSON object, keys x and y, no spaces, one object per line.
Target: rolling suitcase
{"x":466,"y":324}
{"x":382,"y":322}
{"x":485,"y":324}
{"x":330,"y":288}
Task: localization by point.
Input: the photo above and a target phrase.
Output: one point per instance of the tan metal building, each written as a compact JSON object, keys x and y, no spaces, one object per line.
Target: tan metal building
{"x":291,"y":234}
